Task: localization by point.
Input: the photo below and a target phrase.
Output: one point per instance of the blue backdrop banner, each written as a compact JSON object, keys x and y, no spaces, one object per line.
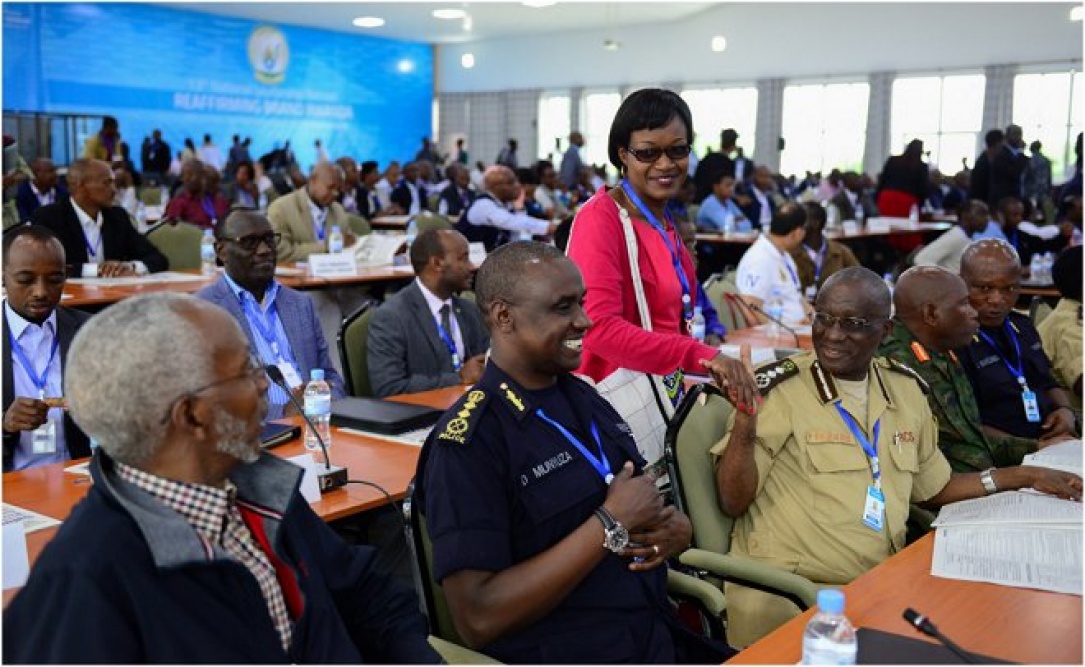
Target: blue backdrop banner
{"x":191,"y":74}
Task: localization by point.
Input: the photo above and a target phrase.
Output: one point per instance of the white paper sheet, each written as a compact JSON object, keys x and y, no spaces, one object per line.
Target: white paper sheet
{"x":29,"y":519}
{"x":1011,"y":508}
{"x":415,"y":438}
{"x":16,"y":560}
{"x":151,"y":278}
{"x":1065,"y":456}
{"x":1044,"y":558}
{"x":310,"y":484}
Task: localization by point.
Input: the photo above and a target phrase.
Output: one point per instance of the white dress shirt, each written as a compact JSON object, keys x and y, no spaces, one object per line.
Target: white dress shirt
{"x":435,"y":304}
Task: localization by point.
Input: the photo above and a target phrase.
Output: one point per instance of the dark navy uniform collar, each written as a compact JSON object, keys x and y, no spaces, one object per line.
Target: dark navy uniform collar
{"x":520,"y":402}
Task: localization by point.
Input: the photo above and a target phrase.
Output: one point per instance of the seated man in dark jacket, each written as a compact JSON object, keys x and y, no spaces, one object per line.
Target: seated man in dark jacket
{"x":192,"y":545}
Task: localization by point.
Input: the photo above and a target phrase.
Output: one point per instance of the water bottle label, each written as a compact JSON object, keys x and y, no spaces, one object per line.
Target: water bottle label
{"x":335,"y":245}
{"x":318,"y":406}
{"x":698,"y":331}
{"x":207,"y":253}
{"x":824,"y":651}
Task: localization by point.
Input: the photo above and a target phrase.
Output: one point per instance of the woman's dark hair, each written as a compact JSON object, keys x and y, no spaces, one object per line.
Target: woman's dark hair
{"x":646,"y":109}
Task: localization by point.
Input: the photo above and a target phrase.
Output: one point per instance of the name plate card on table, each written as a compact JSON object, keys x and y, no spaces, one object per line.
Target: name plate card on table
{"x":879,"y":225}
{"x":328,"y":265}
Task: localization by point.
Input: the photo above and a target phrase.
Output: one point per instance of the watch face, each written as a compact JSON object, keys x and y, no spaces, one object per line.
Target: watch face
{"x":617,"y":538}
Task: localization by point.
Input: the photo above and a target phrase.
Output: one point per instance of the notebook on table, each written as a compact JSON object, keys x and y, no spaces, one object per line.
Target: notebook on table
{"x":379,"y":416}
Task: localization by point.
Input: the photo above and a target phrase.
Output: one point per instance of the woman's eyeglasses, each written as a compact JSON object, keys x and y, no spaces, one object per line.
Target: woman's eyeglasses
{"x":852,"y":325}
{"x":650,"y":155}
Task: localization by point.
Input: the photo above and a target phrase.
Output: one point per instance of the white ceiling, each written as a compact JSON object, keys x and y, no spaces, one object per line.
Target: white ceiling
{"x":414,"y":20}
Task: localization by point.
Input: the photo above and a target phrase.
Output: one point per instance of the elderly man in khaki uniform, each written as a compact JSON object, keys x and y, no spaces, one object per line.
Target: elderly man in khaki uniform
{"x":820,"y":476}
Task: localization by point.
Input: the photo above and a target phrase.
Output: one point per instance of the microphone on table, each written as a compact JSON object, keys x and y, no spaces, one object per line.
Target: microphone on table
{"x":758,"y":309}
{"x":924,"y":625}
{"x":331,"y":477}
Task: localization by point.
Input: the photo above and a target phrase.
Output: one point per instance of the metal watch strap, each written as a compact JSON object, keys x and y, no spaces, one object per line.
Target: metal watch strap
{"x":988,"y":481}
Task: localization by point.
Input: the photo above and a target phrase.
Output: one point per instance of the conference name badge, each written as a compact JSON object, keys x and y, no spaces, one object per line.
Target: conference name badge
{"x":290,"y":374}
{"x":874,"y":510}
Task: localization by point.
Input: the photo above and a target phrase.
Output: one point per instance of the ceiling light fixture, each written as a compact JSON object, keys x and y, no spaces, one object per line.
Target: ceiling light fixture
{"x":719,"y":43}
{"x":368,"y":22}
{"x":405,"y":66}
{"x":449,"y":14}
{"x":468,"y":23}
{"x":611,"y":44}
{"x":467,"y":60}
{"x":539,"y":4}
{"x":1076,"y":13}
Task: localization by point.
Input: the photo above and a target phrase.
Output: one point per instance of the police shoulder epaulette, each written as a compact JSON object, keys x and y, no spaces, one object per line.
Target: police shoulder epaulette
{"x":461,"y":419}
{"x":905,"y":369}
{"x":771,"y":375}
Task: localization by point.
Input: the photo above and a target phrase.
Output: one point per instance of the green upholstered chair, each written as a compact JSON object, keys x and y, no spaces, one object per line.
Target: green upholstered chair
{"x":353,"y":344}
{"x":179,"y":242}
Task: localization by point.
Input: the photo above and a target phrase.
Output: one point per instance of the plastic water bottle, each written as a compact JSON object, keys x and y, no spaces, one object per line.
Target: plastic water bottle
{"x":318,"y":408}
{"x":832,"y":216}
{"x":1036,"y":268}
{"x":335,"y":240}
{"x":412,"y":232}
{"x":774,"y":308}
{"x":913,"y":215}
{"x":697,"y":328}
{"x":829,"y":638}
{"x":1046,"y":264}
{"x":207,"y":253}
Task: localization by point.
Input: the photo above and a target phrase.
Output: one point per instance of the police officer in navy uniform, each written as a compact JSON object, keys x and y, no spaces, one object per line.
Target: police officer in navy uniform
{"x":1005,"y":362}
{"x":548,"y":536}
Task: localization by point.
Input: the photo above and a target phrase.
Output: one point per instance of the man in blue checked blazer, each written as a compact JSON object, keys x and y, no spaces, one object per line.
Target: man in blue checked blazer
{"x":281,"y":323}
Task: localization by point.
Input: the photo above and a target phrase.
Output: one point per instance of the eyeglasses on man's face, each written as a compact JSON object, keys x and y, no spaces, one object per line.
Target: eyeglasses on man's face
{"x":851,"y":325}
{"x":251,"y":242}
{"x":650,"y":155}
{"x":254,"y":370}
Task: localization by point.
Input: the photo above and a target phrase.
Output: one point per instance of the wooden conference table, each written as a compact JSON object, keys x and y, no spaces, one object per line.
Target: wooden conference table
{"x":1015,"y":624}
{"x":747,"y":238}
{"x":51,"y":491}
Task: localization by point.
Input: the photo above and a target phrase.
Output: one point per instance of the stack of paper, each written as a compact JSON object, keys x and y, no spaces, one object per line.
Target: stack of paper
{"x":1012,"y":539}
{"x":1065,"y":456}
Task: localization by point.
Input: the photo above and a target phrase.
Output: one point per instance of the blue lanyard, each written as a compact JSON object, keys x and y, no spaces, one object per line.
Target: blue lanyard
{"x":208,"y":206}
{"x":92,"y":250}
{"x":871,"y":449}
{"x":687,"y":293}
{"x":787,"y":265}
{"x":20,"y":355}
{"x":818,"y":262}
{"x":600,"y":463}
{"x":265,"y":327}
{"x":451,"y":344}
{"x":1018,"y":370}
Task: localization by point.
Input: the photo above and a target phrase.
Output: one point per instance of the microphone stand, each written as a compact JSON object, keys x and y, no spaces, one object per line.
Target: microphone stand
{"x":331,"y":477}
{"x":924,"y":625}
{"x":761,"y":311}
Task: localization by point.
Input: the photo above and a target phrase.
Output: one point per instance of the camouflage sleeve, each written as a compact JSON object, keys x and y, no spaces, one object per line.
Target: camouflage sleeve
{"x":974,"y":456}
{"x":1008,"y":450}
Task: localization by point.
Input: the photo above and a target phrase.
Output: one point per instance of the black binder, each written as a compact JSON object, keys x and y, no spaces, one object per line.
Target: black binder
{"x":379,"y":416}
{"x":273,"y":435}
{"x":883,"y":648}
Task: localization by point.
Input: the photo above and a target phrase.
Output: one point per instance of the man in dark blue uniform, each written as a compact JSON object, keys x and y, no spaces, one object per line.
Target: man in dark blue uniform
{"x":547,"y":536}
{"x":1005,"y":362}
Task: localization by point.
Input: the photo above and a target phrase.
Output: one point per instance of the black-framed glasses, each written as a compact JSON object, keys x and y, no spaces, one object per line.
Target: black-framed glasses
{"x":852,"y":325}
{"x":650,"y":155}
{"x":254,"y":370}
{"x":252,"y":241}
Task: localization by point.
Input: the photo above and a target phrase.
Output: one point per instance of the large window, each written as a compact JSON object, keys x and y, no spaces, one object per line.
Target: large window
{"x":716,"y":109}
{"x":824,"y":127}
{"x":553,"y":126}
{"x":1048,"y":108}
{"x":596,"y":114}
{"x":946,"y":113}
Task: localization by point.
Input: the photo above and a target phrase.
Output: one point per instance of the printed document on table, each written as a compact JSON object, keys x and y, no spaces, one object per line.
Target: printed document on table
{"x":415,"y":438}
{"x":1044,"y":558}
{"x":1011,"y":507}
{"x":30,"y":520}
{"x":1065,"y":456}
{"x":150,"y":278}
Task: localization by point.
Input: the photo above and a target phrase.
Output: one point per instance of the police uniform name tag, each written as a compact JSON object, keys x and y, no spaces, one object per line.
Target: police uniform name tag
{"x":290,"y":374}
{"x":874,"y":509}
{"x":44,"y":438}
{"x":1032,"y":406}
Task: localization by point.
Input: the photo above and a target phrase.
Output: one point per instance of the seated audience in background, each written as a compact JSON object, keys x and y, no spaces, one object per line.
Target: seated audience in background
{"x":536,"y":566}
{"x":98,"y":237}
{"x":408,"y":193}
{"x":767,"y":268}
{"x":126,"y":196}
{"x":1060,"y":331}
{"x":718,"y":211}
{"x":529,"y":182}
{"x":934,"y":317}
{"x":457,"y":195}
{"x":1005,"y":361}
{"x":199,"y":201}
{"x":244,"y":192}
{"x":946,"y":250}
{"x":957,"y":192}
{"x":713,"y":329}
{"x":818,"y":257}
{"x":348,"y":197}
{"x":795,"y":473}
{"x":759,"y":207}
{"x":39,"y":331}
{"x":192,"y":545}
{"x":304,"y":217}
{"x":39,"y":191}
{"x":280,"y":323}
{"x":1011,"y":212}
{"x":489,"y":221}
{"x":682,"y":206}
{"x":425,"y":336}
{"x":365,"y":196}
{"x":388,"y":181}
{"x":708,"y":170}
{"x":551,"y":193}
{"x":851,"y":200}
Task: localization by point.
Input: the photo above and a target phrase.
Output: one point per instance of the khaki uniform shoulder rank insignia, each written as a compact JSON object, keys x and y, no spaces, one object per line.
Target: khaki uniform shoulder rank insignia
{"x":769,"y":376}
{"x":463,"y":417}
{"x":910,"y":372}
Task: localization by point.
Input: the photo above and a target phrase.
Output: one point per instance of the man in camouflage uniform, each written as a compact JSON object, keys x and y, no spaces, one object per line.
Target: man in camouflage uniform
{"x":933,"y":316}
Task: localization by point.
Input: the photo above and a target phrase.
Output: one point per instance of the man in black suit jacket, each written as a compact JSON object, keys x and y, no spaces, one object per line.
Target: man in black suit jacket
{"x":411,"y":346}
{"x":34,"y":279}
{"x":98,"y":237}
{"x":1008,"y":168}
{"x":407,"y":193}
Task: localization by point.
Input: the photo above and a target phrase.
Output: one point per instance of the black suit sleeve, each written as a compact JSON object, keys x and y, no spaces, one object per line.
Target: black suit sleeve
{"x":125,"y":244}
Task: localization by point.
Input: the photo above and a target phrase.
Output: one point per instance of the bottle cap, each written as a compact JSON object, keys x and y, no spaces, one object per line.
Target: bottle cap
{"x":831,"y":601}
{"x":316,"y":374}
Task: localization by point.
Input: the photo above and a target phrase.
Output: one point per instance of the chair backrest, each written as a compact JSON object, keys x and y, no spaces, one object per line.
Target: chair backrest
{"x":358,"y":225}
{"x":353,"y":344}
{"x":1038,"y":310}
{"x":179,"y":242}
{"x":722,"y":293}
{"x":698,"y":424}
{"x":434,"y":603}
{"x":433,"y":201}
{"x":151,"y":195}
{"x":429,"y":220}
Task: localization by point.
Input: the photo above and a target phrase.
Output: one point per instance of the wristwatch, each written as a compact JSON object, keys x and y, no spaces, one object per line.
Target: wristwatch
{"x":615,"y":536}
{"x":988,"y":481}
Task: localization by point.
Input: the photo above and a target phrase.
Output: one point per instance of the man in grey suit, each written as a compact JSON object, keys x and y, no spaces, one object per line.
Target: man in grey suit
{"x":305,"y":217}
{"x":425,"y":337}
{"x":280,"y":323}
{"x":571,"y":163}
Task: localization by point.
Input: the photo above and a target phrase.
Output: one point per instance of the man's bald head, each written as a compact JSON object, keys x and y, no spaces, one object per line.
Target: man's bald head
{"x":500,"y":181}
{"x":933,"y":304}
{"x":325,"y":182}
{"x":990,"y":252}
